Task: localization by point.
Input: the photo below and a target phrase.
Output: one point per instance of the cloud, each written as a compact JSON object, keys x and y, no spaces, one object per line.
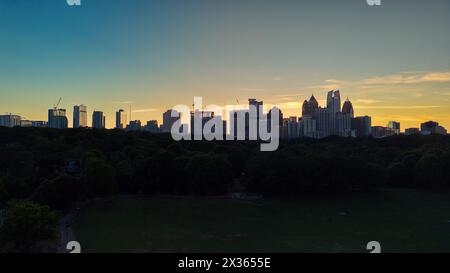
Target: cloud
{"x":367,"y":101}
{"x":396,"y":106}
{"x":144,"y":110}
{"x":408,"y":78}
{"x":380,"y":82}
{"x":253,"y":89}
{"x":277,"y":78}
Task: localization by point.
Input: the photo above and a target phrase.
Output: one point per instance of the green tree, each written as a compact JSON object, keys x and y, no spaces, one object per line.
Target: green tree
{"x":59,"y":193}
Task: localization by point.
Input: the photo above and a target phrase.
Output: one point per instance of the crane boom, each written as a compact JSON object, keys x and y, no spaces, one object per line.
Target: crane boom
{"x":57,"y":104}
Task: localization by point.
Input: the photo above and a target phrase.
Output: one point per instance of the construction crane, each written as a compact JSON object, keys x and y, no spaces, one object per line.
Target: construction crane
{"x":57,"y":104}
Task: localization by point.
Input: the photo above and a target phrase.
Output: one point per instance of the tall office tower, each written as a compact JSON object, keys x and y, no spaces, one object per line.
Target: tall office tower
{"x":324,"y":122}
{"x":307,"y":127}
{"x":292,"y":128}
{"x":98,"y":120}
{"x":79,"y":116}
{"x":269,"y":119}
{"x":394,"y":126}
{"x":198,"y":120}
{"x":334,"y":101}
{"x":334,"y":107}
{"x":121,"y":119}
{"x":57,"y":118}
{"x":362,"y":126}
{"x":10,"y":120}
{"x":259,"y":111}
{"x":309,"y":107}
{"x":347,"y":108}
{"x":343,"y":124}
{"x":168,"y":120}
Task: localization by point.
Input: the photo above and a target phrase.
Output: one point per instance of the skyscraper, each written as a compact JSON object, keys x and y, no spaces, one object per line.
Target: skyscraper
{"x":347,"y":108}
{"x":57,"y":118}
{"x":79,"y":116}
{"x":394,"y":127}
{"x":168,"y":120}
{"x":10,"y":120}
{"x":334,"y":101}
{"x":121,"y":119}
{"x":431,"y":128}
{"x":152,"y":126}
{"x":259,"y":111}
{"x":98,"y":120}
{"x":362,"y":126}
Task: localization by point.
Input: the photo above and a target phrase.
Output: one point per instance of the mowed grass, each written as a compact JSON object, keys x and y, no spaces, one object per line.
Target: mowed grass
{"x":401,"y":220}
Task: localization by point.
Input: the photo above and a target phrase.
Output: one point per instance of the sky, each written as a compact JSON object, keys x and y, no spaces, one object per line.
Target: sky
{"x":392,"y":61}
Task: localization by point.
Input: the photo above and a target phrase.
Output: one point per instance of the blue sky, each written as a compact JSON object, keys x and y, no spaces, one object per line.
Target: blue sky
{"x":159,"y":53}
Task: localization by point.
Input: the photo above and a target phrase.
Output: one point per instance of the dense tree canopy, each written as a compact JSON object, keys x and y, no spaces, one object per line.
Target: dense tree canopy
{"x":25,"y":224}
{"x":58,"y":167}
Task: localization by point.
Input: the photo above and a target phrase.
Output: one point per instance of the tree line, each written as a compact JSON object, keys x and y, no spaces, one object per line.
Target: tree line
{"x":57,"y":168}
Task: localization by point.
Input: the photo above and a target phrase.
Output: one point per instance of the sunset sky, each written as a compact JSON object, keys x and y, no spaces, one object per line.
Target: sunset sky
{"x":392,"y":61}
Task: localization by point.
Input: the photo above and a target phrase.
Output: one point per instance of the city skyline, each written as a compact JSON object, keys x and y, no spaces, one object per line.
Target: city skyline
{"x":392,"y":60}
{"x":317,"y":121}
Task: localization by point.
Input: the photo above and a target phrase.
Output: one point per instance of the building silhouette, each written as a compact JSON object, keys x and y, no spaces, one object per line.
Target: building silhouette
{"x":10,"y":120}
{"x":121,"y":119}
{"x":394,"y":127}
{"x":152,"y":127}
{"x":57,"y":118}
{"x":432,"y":128}
{"x":79,"y":116}
{"x":168,"y":120}
{"x":98,"y":120}
{"x":362,"y":126}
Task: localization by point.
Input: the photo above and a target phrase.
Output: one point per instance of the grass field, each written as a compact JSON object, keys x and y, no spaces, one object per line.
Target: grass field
{"x":402,"y":221}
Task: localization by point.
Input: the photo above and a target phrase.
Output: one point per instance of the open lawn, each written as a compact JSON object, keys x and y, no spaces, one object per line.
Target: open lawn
{"x":401,"y":220}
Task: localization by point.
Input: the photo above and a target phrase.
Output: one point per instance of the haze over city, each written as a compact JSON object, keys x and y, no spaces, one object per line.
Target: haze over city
{"x":392,"y":61}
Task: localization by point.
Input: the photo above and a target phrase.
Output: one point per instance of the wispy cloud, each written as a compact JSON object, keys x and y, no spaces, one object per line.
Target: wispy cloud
{"x":396,"y":106}
{"x":144,"y":110}
{"x":409,"y":78}
{"x":253,"y":89}
{"x":367,"y":101}
{"x":379,"y":82}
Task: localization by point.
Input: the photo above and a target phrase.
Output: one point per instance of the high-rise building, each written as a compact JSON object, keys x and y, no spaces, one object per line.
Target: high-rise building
{"x":309,"y":107}
{"x":135,"y":125}
{"x":152,"y":126}
{"x":198,"y":121}
{"x":334,"y":101}
{"x":98,"y":120}
{"x":432,"y":128}
{"x":308,"y":127}
{"x":381,"y":132}
{"x":394,"y":126}
{"x":79,"y":116}
{"x":347,"y":108}
{"x":121,"y":119}
{"x":362,"y":126}
{"x":343,"y":124}
{"x":168,"y":120}
{"x":57,"y":118}
{"x":10,"y":120}
{"x":412,"y":131}
{"x":324,"y":122}
{"x":292,"y":128}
